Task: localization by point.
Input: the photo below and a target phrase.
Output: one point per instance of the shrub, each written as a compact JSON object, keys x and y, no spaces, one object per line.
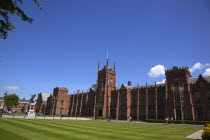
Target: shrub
{"x":155,"y":121}
{"x":207,"y":124}
{"x":179,"y":121}
{"x":100,"y":118}
{"x":75,"y":116}
{"x":206,"y":133}
{"x":66,"y":115}
{"x":191,"y":122}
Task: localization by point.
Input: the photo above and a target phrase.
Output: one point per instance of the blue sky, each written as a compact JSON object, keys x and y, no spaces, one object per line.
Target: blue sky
{"x":67,"y":39}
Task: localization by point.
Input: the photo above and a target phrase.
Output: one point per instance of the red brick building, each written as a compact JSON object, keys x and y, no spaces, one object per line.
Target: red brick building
{"x":60,"y":101}
{"x":41,"y":102}
{"x":182,"y":97}
{"x":17,"y":108}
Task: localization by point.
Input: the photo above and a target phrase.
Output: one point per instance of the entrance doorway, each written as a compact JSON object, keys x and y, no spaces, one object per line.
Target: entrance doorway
{"x":100,"y":112}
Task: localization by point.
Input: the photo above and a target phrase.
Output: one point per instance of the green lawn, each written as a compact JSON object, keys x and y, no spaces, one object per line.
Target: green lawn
{"x":92,"y":130}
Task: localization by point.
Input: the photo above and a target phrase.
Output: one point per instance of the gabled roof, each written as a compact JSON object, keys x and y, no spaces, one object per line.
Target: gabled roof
{"x":1,"y":98}
{"x":20,"y":100}
{"x":127,"y":86}
{"x":24,"y":100}
{"x":192,"y":80}
{"x":207,"y":78}
{"x":45,"y":96}
{"x":150,"y":86}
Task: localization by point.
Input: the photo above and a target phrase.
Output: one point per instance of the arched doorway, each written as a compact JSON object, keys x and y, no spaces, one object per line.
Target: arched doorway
{"x":100,"y":112}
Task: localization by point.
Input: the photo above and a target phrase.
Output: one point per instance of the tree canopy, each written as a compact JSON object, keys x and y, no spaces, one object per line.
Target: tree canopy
{"x":10,"y":7}
{"x":23,"y":109}
{"x":11,"y":100}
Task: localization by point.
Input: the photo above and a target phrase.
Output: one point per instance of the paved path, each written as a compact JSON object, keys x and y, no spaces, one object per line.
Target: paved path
{"x":113,"y":121}
{"x":56,"y":118}
{"x":143,"y":123}
{"x":196,"y":135}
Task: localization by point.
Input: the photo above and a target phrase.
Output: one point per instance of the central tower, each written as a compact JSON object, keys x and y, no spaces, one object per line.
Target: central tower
{"x":177,"y":93}
{"x":106,"y":82}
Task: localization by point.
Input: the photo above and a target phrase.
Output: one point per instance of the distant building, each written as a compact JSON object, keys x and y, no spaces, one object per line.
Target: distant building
{"x":41,"y":102}
{"x":182,"y":97}
{"x":22,"y":102}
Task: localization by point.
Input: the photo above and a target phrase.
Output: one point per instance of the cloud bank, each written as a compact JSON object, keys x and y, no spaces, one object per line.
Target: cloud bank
{"x":164,"y":80}
{"x":198,"y":66}
{"x":207,"y":72}
{"x":11,"y":87}
{"x":156,"y":71}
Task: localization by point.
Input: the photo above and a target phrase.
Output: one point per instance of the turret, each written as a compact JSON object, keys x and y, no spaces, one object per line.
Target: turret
{"x":114,"y":67}
{"x":99,"y":66}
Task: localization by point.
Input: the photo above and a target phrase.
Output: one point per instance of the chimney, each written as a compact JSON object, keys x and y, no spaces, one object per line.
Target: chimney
{"x":78,"y":91}
{"x":129,"y":83}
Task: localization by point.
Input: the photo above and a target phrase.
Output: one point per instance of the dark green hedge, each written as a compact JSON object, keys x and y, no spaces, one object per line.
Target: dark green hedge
{"x":155,"y":121}
{"x":74,"y":116}
{"x":179,"y":121}
{"x":100,"y":118}
{"x":206,"y":133}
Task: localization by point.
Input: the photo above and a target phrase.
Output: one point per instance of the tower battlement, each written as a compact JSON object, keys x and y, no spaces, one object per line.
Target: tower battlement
{"x":175,"y":69}
{"x":60,"y":88}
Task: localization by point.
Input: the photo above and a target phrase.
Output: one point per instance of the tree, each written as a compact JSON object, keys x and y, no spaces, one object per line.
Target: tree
{"x":23,"y":109}
{"x":11,"y":100}
{"x":10,"y":7}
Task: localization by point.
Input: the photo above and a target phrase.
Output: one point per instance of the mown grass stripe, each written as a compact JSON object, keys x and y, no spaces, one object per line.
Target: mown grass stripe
{"x":129,"y":133}
{"x":32,"y":128}
{"x":6,"y":134}
{"x":88,"y":132}
{"x":136,"y":133}
{"x":19,"y":131}
{"x":75,"y":129}
{"x":108,"y":129}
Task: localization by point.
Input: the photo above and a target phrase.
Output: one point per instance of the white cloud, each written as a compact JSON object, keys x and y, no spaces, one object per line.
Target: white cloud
{"x":164,"y":80}
{"x":207,"y":72}
{"x":11,"y":87}
{"x":156,"y":71}
{"x":208,"y":64}
{"x":198,"y":66}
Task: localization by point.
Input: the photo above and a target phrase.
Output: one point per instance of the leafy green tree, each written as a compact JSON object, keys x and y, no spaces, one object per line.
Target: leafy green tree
{"x":23,"y":109}
{"x":11,"y":100}
{"x":10,"y":7}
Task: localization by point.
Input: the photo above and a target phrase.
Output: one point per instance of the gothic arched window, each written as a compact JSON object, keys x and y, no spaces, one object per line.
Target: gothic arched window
{"x":62,"y":102}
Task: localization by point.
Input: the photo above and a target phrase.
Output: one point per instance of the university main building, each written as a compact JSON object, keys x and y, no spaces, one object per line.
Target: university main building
{"x":181,"y":97}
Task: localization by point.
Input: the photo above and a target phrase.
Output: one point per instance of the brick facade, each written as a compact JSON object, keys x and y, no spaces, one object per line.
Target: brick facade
{"x":17,"y":108}
{"x":181,"y":97}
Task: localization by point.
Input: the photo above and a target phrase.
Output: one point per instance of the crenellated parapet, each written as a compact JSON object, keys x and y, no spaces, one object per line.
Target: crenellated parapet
{"x":176,"y":70}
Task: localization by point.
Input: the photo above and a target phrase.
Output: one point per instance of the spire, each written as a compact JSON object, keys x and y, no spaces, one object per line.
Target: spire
{"x":107,"y":60}
{"x":107,"y":54}
{"x":98,"y":65}
{"x":107,"y":63}
{"x":114,"y":67}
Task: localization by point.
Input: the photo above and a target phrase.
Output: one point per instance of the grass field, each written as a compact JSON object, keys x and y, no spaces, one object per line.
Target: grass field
{"x":21,"y":129}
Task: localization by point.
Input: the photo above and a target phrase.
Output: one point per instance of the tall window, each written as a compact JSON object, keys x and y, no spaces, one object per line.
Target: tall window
{"x":197,"y":97}
{"x":177,"y":94}
{"x":142,"y":99}
{"x":152,"y":99}
{"x":209,"y":114}
{"x":123,"y":99}
{"x":61,"y":102}
{"x":208,"y":96}
{"x":161,"y":98}
{"x":61,"y":110}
